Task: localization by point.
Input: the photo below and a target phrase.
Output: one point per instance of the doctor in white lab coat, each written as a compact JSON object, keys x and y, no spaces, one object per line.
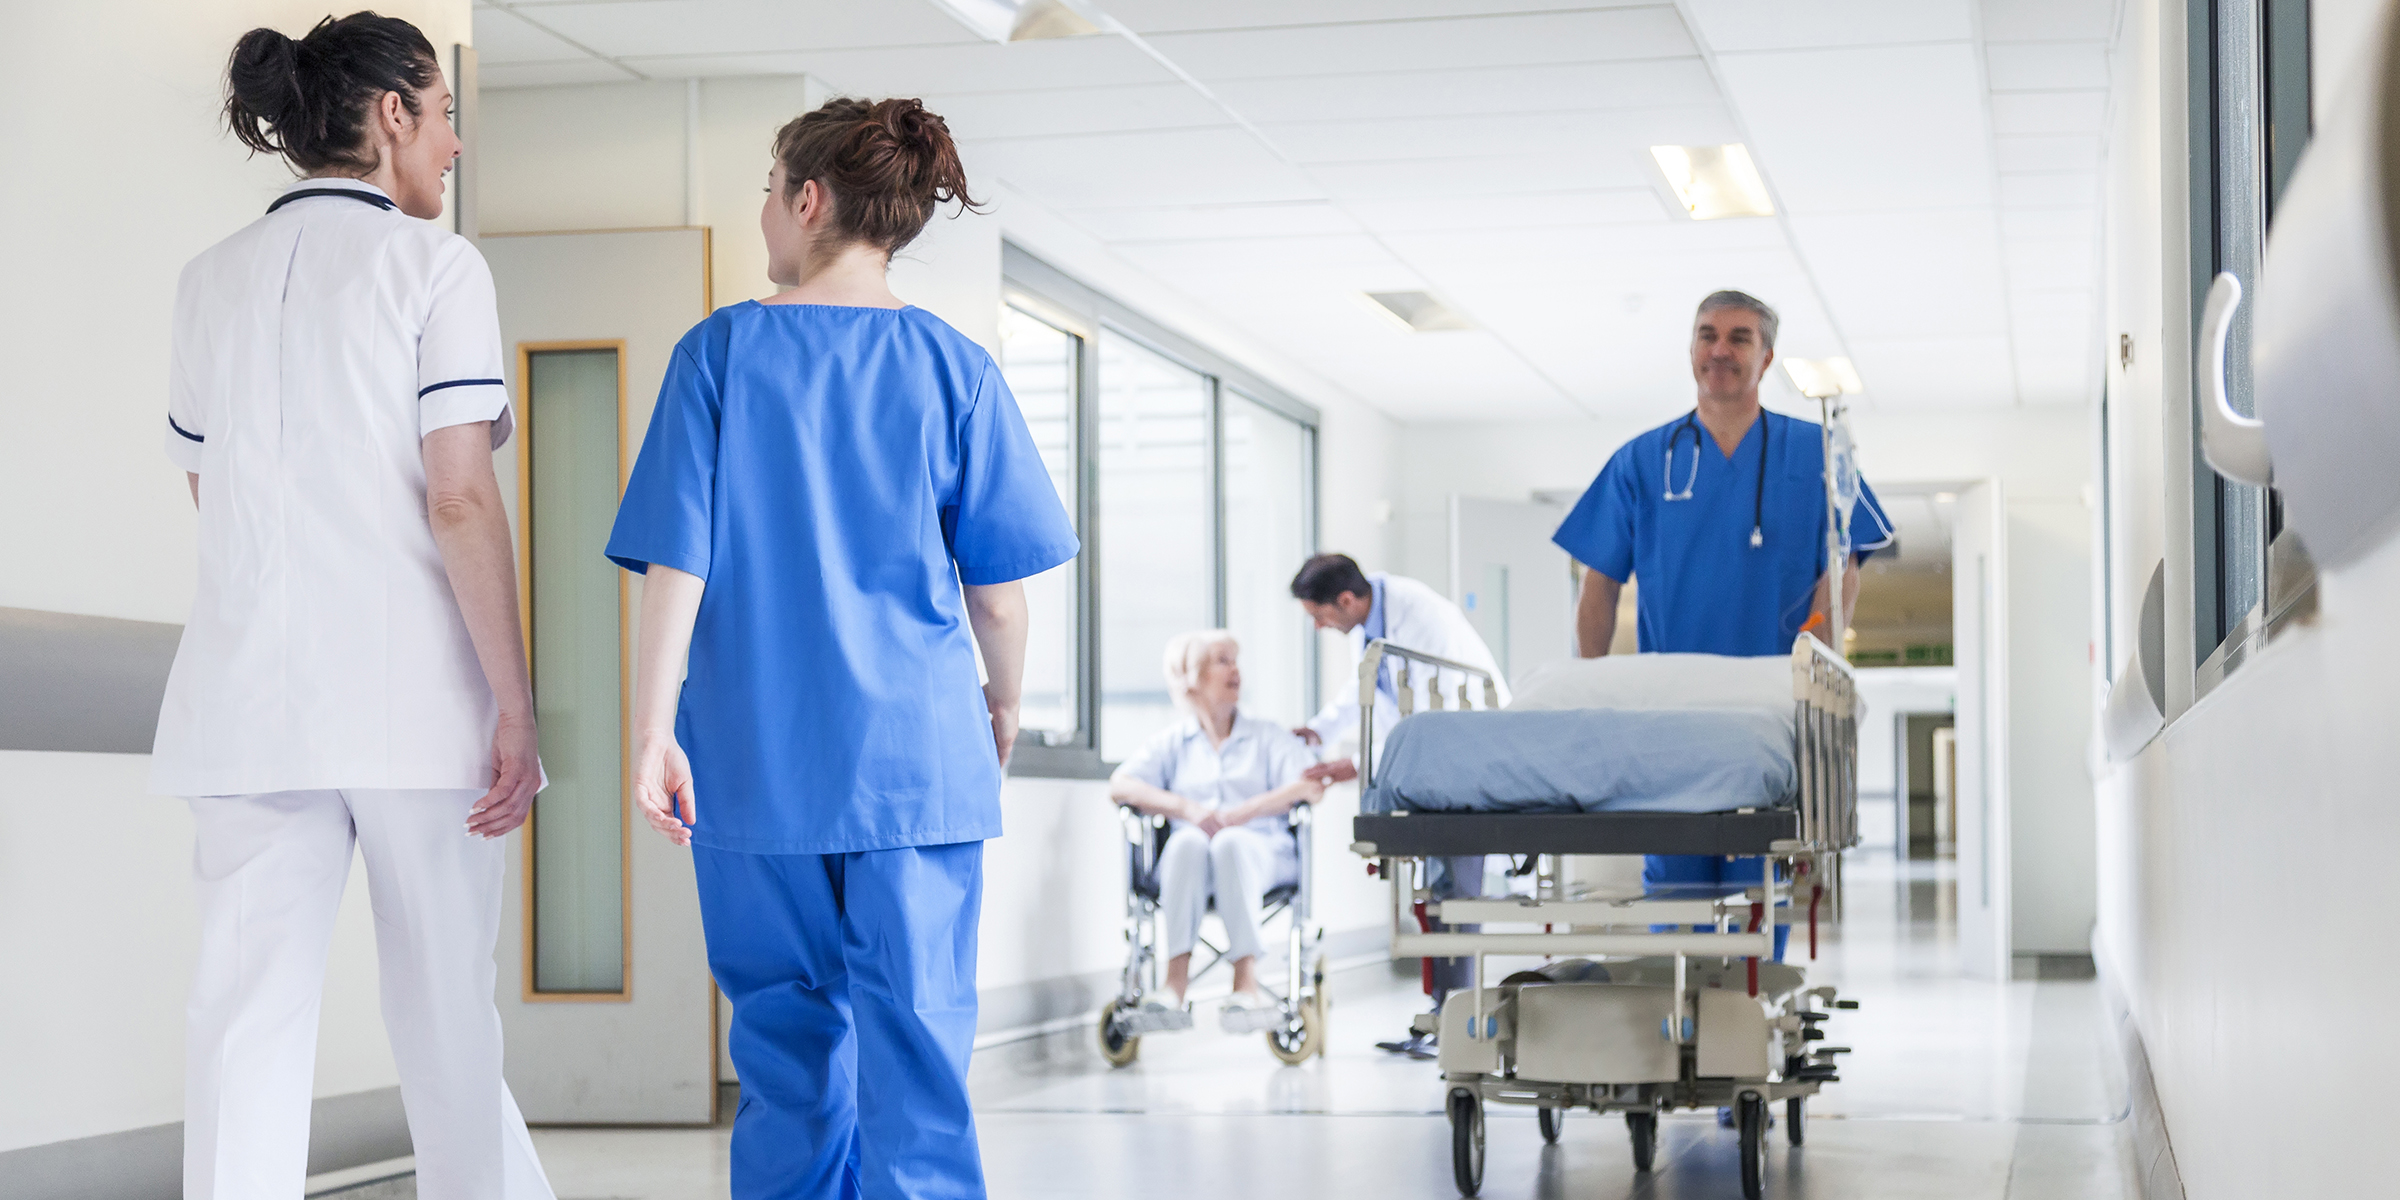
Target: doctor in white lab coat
{"x":1406,"y":613}
{"x":353,"y":673}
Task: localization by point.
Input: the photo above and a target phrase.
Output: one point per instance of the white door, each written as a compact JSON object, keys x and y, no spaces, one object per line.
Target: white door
{"x":604,"y":988}
{"x":1979,"y":612}
{"x":1518,"y":589}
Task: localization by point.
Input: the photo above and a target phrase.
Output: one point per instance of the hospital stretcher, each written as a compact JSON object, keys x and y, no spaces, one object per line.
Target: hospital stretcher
{"x":1638,"y":1022}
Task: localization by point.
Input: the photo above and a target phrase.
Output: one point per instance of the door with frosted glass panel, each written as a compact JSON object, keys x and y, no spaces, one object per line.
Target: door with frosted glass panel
{"x":604,"y":992}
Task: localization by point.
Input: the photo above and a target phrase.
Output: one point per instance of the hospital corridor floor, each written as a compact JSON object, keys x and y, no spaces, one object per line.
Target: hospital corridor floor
{"x":1956,"y":1088}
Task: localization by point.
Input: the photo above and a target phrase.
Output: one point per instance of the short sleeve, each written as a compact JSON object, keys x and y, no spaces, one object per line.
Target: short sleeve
{"x":187,"y":422}
{"x":1870,"y":528}
{"x":1154,"y":763}
{"x":668,"y":514}
{"x":1005,"y":522}
{"x":1599,"y":532}
{"x":1287,"y":756}
{"x":458,"y":358}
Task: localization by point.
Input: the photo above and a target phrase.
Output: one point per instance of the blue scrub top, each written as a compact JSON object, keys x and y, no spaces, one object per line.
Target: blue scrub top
{"x":1704,"y":589}
{"x":834,"y":474}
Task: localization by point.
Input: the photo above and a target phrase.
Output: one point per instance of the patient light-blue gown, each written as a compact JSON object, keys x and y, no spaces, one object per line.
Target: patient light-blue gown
{"x":834,"y":474}
{"x":1673,"y":511}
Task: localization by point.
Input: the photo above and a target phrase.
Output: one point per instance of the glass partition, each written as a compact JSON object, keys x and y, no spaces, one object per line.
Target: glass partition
{"x":1041,"y":364}
{"x":1157,"y":560}
{"x":1267,"y":523}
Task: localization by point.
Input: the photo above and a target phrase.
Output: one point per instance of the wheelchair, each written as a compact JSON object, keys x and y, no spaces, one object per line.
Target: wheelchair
{"x":1302,"y":1003}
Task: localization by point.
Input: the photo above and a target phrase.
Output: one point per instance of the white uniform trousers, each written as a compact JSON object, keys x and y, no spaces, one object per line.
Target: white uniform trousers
{"x":1237,"y":866}
{"x":270,"y":871}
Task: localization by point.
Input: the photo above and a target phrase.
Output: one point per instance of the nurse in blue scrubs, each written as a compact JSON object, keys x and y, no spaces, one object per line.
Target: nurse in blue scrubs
{"x":835,"y":489}
{"x":1721,"y":515}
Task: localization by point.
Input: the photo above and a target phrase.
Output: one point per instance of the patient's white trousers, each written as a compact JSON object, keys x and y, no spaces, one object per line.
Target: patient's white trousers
{"x":269,"y":871}
{"x":1237,"y":866}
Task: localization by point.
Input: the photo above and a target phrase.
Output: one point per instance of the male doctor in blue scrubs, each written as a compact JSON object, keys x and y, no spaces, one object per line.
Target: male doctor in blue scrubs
{"x":1721,"y":515}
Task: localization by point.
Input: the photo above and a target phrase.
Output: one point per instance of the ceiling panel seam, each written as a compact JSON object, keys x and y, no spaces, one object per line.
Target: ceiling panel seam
{"x":511,"y":8}
{"x":1139,"y":42}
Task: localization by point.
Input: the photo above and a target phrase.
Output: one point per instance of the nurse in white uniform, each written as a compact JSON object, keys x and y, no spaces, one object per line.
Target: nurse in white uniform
{"x":353,"y":672}
{"x":1224,"y":781}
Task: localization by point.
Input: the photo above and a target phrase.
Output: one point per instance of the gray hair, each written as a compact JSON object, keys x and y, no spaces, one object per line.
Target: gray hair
{"x":1186,"y":653}
{"x":1767,"y":320}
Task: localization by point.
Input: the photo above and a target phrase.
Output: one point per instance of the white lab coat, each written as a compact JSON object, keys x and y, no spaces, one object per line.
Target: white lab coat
{"x":1419,"y":618}
{"x":313,"y":351}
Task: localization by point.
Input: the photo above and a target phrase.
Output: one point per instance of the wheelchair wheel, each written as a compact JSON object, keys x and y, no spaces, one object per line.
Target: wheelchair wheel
{"x":1304,"y":1035}
{"x":1551,"y":1118}
{"x":1466,"y":1141}
{"x":1750,"y":1116}
{"x":1644,"y":1128}
{"x":1117,"y":1048}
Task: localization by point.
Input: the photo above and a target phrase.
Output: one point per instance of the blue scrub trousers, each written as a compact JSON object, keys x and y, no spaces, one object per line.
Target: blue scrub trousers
{"x":1715,"y":870}
{"x":852,"y":978}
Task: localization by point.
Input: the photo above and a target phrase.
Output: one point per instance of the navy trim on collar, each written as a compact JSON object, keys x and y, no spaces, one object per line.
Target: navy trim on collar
{"x":180,"y":429}
{"x":421,"y":392}
{"x":382,"y":202}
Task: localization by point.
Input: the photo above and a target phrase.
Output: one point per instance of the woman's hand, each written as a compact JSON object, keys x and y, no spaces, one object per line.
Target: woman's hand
{"x":662,"y":784}
{"x":1212,"y":821}
{"x":1004,"y":726}
{"x":516,"y":777}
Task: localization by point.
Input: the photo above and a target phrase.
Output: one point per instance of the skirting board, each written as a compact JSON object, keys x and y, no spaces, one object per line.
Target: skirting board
{"x":2153,"y":1151}
{"x":147,"y":1163}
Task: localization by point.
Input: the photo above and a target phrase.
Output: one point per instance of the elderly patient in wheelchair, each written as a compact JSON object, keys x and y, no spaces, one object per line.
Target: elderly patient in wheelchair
{"x":1224,"y":782}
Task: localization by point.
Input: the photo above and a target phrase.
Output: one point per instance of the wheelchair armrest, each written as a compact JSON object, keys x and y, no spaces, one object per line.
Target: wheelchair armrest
{"x":1299,"y":814}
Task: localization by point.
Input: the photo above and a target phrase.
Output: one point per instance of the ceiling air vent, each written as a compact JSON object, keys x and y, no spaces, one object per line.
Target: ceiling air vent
{"x":1419,"y":311}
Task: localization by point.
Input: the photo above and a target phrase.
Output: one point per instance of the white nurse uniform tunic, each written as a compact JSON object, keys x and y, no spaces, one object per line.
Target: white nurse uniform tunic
{"x":326,"y":693}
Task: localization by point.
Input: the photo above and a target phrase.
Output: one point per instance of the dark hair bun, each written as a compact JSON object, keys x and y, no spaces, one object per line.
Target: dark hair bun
{"x":308,"y":100}
{"x":888,"y":163}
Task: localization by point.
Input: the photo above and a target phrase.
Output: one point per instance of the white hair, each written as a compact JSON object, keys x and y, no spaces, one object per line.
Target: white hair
{"x":1185,"y":654}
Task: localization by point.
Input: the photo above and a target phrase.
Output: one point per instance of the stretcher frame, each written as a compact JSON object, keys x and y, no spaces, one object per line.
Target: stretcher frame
{"x":1800,"y":848}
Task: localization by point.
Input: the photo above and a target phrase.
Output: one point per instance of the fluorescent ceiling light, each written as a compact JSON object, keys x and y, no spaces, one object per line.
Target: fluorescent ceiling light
{"x":1714,"y":181}
{"x":1819,"y":377}
{"x":1418,"y":312}
{"x":1020,"y":20}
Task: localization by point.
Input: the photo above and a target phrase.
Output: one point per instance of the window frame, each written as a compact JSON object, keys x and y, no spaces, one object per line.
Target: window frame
{"x":1049,"y":294}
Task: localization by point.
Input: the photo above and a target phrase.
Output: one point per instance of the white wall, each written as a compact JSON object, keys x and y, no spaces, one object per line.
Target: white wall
{"x":2043,"y":457}
{"x":99,"y":953}
{"x":614,"y":155}
{"x":2229,"y":848}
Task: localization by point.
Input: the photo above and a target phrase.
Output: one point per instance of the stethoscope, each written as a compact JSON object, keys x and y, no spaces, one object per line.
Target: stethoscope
{"x":1758,"y":503}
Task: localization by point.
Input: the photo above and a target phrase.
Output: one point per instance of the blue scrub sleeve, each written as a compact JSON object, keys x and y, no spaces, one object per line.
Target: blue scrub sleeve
{"x":1599,"y":532}
{"x":1005,"y":522}
{"x":1870,"y":529}
{"x":668,"y":514}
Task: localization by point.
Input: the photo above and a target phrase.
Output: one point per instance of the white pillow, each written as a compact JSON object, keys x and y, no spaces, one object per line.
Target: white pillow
{"x":1660,"y":681}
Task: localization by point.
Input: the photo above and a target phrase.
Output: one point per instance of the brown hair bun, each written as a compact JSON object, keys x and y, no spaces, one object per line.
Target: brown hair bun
{"x":887,"y":163}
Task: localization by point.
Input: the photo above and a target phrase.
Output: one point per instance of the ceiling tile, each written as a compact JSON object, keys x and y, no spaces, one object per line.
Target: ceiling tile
{"x":1271,"y":219}
{"x":921,"y":70}
{"x":1672,"y":82}
{"x":504,"y":39}
{"x":2067,"y":153}
{"x":1478,"y":176}
{"x":1076,"y":110}
{"x":1830,"y":138}
{"x":2051,"y":264}
{"x":1203,"y":166}
{"x":1732,"y":25}
{"x":1176,"y":16}
{"x":654,"y":28}
{"x":1605,"y":35}
{"x":1581,"y":134}
{"x":2049,"y":112}
{"x":1317,"y":256}
{"x":2051,"y":224}
{"x":1409,"y":214}
{"x":2050,"y":189}
{"x":502,"y":76}
{"x":1963,"y":372}
{"x":2049,"y":20}
{"x":2047,"y":66}
{"x":1919,"y":274}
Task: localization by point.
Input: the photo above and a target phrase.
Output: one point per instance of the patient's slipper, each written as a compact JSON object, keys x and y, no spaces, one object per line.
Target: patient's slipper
{"x":1154,"y":1016}
{"x":1248,"y":1012}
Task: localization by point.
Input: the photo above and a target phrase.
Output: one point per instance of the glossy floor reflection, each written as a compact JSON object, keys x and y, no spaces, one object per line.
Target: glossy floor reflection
{"x":1956,"y":1088}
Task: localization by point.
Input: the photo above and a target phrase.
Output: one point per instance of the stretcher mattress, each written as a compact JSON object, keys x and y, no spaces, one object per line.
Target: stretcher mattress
{"x":1587,"y":760}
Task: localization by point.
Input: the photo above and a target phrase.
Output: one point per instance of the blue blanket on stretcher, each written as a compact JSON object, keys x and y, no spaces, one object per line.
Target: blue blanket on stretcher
{"x":1679,"y":760}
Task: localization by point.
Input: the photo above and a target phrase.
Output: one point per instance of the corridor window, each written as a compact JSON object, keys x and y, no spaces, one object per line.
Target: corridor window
{"x":1192,"y":485}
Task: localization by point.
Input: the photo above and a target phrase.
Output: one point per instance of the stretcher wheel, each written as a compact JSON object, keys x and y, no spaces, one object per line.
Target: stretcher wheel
{"x":1792,"y":1118}
{"x":1644,"y":1128}
{"x":1294,"y":1041}
{"x":1550,"y":1119}
{"x":1466,"y":1141}
{"x":1750,"y":1116}
{"x":1117,"y":1048}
